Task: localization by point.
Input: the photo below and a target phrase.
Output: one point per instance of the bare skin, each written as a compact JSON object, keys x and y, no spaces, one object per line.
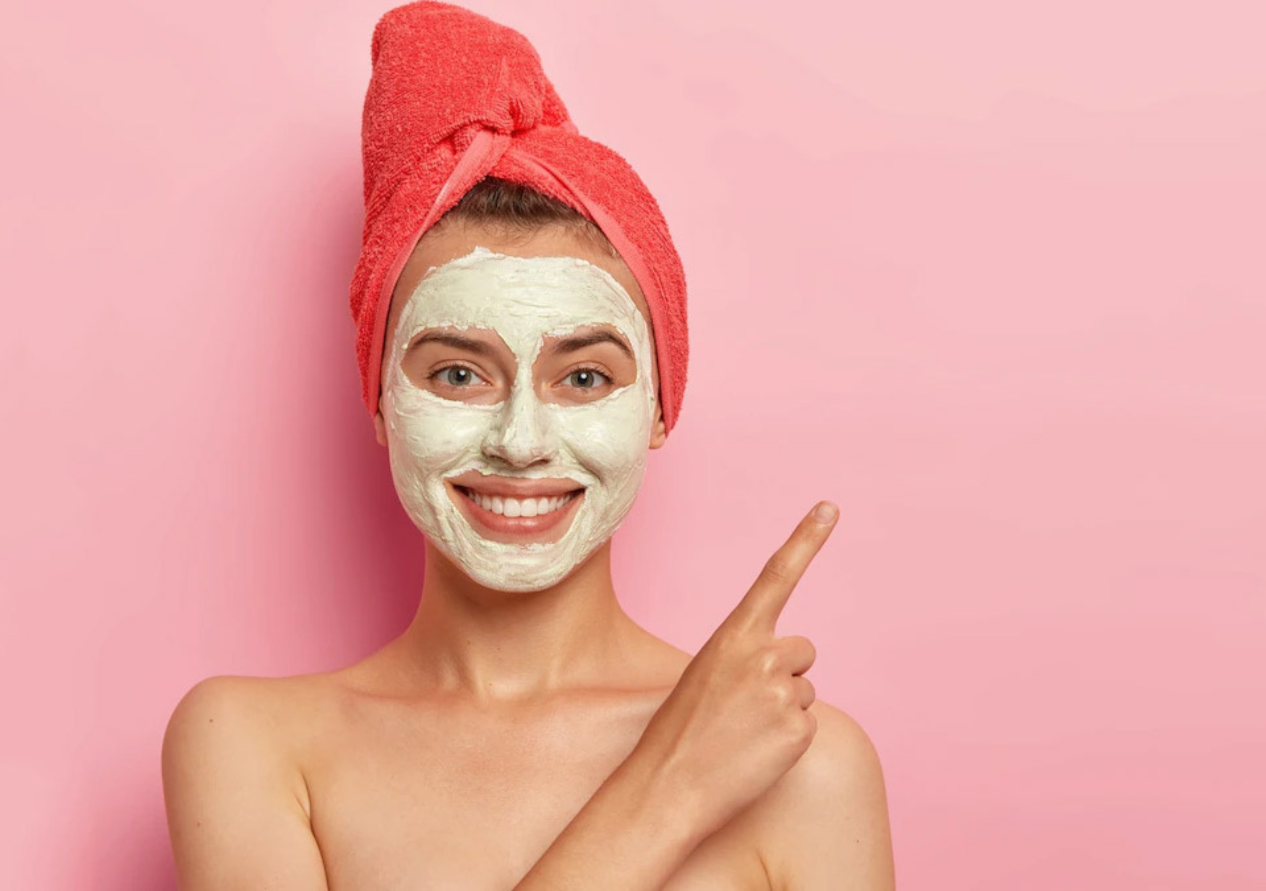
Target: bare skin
{"x":533,"y":741}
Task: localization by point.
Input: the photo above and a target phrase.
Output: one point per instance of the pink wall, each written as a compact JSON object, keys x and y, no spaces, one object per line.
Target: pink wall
{"x":992,"y":279}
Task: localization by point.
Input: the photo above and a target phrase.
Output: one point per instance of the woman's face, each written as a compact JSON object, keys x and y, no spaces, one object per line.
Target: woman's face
{"x":518,"y":400}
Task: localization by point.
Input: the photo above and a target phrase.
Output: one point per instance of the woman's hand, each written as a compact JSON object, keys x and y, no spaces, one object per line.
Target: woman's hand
{"x":739,"y":716}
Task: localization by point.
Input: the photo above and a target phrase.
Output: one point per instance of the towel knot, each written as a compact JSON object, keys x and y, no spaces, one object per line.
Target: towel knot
{"x":519,"y":101}
{"x":513,"y":104}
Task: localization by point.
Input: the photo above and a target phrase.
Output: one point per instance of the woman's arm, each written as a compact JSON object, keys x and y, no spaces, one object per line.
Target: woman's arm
{"x":631,"y":835}
{"x":234,"y":797}
{"x":737,"y":721}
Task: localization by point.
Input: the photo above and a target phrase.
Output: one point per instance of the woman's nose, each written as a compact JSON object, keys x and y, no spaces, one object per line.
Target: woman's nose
{"x":523,"y":433}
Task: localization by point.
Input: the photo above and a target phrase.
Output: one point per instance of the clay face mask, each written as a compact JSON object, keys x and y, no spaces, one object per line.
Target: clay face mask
{"x":599,"y":445}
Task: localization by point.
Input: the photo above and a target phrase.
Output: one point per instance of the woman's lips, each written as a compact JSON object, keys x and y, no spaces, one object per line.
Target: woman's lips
{"x":491,"y":515}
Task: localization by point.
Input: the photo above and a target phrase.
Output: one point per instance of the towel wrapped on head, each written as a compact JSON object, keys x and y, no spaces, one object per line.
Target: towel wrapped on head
{"x":455,"y":97}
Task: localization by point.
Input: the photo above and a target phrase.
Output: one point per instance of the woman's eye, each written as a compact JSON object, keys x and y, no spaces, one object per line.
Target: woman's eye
{"x":456,"y":376}
{"x":587,"y":378}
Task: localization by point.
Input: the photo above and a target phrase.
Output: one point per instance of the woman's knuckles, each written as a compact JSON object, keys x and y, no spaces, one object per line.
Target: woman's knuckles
{"x":769,"y":662}
{"x":784,"y":698}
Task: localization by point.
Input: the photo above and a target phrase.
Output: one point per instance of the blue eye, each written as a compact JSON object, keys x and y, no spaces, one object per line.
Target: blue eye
{"x":587,"y":378}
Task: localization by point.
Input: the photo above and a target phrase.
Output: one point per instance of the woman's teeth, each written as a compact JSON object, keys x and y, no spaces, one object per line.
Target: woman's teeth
{"x":519,"y":507}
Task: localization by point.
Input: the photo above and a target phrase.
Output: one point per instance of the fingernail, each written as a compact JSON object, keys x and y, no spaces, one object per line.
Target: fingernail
{"x":825,"y":513}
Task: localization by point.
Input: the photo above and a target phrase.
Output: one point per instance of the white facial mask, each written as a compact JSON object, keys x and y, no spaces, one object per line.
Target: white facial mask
{"x":600,"y":445}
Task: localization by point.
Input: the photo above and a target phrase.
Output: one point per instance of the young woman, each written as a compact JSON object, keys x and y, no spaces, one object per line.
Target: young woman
{"x":523,"y":732}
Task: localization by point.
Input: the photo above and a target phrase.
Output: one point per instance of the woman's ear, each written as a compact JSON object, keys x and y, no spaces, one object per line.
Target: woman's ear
{"x":380,"y":429}
{"x":659,"y":432}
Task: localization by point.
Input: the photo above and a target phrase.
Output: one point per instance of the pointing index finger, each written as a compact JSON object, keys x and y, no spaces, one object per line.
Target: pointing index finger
{"x":764,"y":601}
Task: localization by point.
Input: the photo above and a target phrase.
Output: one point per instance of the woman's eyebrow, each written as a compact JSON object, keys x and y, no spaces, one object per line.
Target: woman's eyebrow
{"x":458,"y":341}
{"x":580,"y":341}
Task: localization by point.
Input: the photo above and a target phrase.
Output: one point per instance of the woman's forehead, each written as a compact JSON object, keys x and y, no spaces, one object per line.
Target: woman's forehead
{"x":450,"y":242}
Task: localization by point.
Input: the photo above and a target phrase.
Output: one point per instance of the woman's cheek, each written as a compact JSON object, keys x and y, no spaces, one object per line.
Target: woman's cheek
{"x":440,"y":434}
{"x":609,"y":437}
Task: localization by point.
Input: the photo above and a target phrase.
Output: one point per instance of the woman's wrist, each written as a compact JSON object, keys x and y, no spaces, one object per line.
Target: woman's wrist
{"x":665,"y":801}
{"x":631,"y":835}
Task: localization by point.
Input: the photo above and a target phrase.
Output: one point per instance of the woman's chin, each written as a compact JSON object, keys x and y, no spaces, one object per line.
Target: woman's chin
{"x":516,"y":576}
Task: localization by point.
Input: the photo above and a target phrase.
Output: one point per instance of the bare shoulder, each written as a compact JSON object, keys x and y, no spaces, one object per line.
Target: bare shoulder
{"x":237,"y":805}
{"x":229,"y":697}
{"x":255,"y":719}
{"x":842,"y":757}
{"x":244,"y":707}
{"x":827,"y":819}
{"x":233,"y":723}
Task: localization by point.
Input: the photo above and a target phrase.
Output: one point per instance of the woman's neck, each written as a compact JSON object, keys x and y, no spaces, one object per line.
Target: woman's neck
{"x":499,"y":646}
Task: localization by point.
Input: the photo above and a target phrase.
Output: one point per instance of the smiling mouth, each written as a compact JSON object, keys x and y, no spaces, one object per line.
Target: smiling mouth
{"x":506,"y":506}
{"x":518,"y":519}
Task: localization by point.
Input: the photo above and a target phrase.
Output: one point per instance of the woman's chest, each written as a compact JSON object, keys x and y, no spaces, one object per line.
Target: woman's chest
{"x":398,"y":806}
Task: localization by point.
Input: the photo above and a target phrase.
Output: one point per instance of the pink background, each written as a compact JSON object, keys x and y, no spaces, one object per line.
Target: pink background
{"x":991,"y":278}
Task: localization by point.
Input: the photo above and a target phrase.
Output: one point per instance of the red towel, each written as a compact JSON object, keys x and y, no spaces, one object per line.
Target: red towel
{"x":455,"y":97}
